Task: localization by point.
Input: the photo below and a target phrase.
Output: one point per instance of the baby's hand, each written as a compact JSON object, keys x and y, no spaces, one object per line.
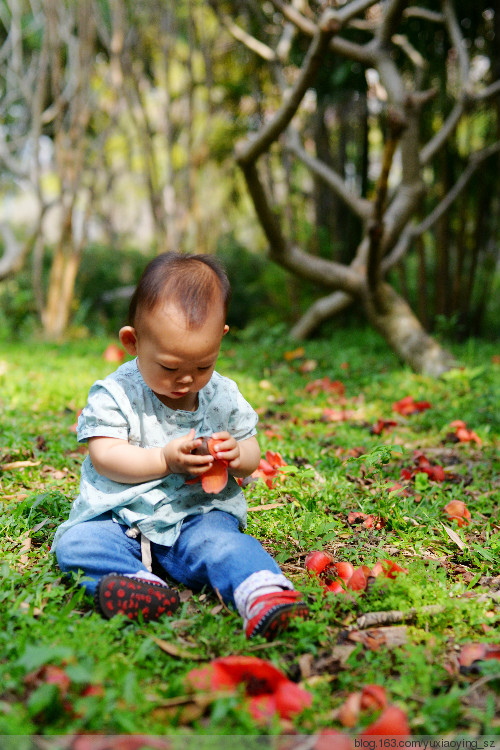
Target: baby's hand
{"x":180,"y":459}
{"x":228,"y":449}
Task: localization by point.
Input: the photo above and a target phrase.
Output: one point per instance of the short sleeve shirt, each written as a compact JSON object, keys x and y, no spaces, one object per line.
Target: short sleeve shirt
{"x":123,"y":406}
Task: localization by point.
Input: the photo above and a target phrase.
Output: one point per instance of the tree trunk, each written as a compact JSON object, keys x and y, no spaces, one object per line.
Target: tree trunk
{"x":402,"y":330}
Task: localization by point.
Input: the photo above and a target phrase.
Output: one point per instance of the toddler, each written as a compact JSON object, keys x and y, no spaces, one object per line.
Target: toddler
{"x":137,"y":516}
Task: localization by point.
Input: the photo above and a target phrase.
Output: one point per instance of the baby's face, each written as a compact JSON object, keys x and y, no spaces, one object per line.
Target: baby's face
{"x":175,"y":361}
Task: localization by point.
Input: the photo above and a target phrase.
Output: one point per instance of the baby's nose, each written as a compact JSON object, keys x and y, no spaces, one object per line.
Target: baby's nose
{"x":186,"y":378}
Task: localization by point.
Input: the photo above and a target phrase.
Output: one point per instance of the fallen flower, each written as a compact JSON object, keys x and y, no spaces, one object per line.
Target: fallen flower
{"x":325,"y":385}
{"x":269,"y":469}
{"x":113,"y":353}
{"x":338,"y":577}
{"x":371,"y":698}
{"x":369,"y":521}
{"x":336,"y":415}
{"x":463,"y":434}
{"x":407,"y":406}
{"x":381,"y":425}
{"x":473,"y":653}
{"x":387,"y":569}
{"x":392,"y":721}
{"x":458,"y":511}
{"x":423,"y":465}
{"x":268,"y":690}
{"x":332,"y":739}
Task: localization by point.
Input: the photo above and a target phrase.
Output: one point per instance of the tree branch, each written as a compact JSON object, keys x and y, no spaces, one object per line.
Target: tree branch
{"x":321,"y":271}
{"x":251,"y":150}
{"x":438,"y":141}
{"x":475,"y":162}
{"x":458,"y":42}
{"x":391,"y":20}
{"x":338,"y":45}
{"x":322,"y":309}
{"x":360,"y":206}
{"x":249,"y":41}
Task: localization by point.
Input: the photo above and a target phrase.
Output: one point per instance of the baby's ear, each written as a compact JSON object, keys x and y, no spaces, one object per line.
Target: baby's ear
{"x":226,"y":329}
{"x":128,"y":339}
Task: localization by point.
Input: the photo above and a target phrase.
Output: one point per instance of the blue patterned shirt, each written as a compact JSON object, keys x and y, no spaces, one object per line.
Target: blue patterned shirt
{"x":123,"y":406}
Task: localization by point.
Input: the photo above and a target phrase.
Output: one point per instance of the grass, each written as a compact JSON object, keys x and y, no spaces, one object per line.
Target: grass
{"x":116,"y":678}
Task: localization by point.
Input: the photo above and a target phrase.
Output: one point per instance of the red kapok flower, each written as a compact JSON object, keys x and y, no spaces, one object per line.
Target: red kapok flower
{"x":332,"y":739}
{"x":408,"y":405}
{"x":268,"y":690}
{"x":113,"y":353}
{"x":476,"y":652}
{"x":392,"y":721}
{"x":458,"y":511}
{"x":463,"y":434}
{"x":215,"y":478}
{"x":387,"y":568}
{"x":383,"y":424}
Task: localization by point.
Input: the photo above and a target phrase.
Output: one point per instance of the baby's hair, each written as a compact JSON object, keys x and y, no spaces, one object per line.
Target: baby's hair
{"x":193,"y":282}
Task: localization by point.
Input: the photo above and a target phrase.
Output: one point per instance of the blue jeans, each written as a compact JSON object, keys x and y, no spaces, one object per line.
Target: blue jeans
{"x":211,"y":550}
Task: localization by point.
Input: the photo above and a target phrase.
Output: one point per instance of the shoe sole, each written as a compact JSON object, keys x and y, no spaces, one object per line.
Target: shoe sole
{"x":133,"y":597}
{"x":277,"y":620}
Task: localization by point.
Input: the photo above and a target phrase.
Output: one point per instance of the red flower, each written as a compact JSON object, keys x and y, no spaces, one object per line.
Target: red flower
{"x":268,"y":690}
{"x":369,"y":521}
{"x":474,"y":652}
{"x":407,"y":406}
{"x":113,"y":353}
{"x":423,"y":466}
{"x":269,"y":468}
{"x":458,"y":511}
{"x":387,"y":568}
{"x":215,"y":478}
{"x":383,"y":424}
{"x":463,"y":434}
{"x":392,"y":721}
{"x":325,"y":385}
{"x":338,"y":577}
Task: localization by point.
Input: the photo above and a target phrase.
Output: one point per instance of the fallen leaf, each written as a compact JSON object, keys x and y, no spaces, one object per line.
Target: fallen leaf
{"x":268,"y":506}
{"x":454,"y":537}
{"x":172,"y":649}
{"x":325,"y":385}
{"x":349,"y":711}
{"x":19,"y":465}
{"x":381,"y":425}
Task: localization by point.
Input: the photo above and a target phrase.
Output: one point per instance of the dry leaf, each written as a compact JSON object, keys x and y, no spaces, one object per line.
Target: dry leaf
{"x":18,"y":465}
{"x":172,"y":649}
{"x":454,"y":537}
{"x":268,"y":506}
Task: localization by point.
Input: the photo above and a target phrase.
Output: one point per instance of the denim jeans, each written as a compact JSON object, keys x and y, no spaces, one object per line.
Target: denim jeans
{"x":211,"y":550}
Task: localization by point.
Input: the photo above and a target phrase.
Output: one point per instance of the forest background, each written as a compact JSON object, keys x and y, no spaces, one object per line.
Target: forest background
{"x":124,"y":130}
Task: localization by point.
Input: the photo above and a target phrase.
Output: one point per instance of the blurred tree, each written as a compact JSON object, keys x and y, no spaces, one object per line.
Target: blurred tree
{"x":311,"y":48}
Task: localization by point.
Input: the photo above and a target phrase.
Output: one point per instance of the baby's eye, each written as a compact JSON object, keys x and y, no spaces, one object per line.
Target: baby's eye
{"x":205,"y":368}
{"x":168,"y":369}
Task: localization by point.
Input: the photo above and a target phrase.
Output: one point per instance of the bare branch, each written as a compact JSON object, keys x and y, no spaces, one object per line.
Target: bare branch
{"x":360,"y":206}
{"x":401,"y":41}
{"x":438,"y":141}
{"x":458,"y":41}
{"x":251,"y":150}
{"x":338,"y":45}
{"x":321,"y":271}
{"x":390,"y":23}
{"x":492,"y":90}
{"x":424,"y":14}
{"x":322,"y":309}
{"x":475,"y":162}
{"x":253,"y":44}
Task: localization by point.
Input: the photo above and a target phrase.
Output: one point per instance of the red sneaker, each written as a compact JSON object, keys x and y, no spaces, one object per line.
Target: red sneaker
{"x":116,"y":593}
{"x":271,"y":613}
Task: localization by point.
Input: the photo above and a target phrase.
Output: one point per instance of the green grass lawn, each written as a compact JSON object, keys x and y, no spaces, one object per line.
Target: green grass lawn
{"x":115,"y":678}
